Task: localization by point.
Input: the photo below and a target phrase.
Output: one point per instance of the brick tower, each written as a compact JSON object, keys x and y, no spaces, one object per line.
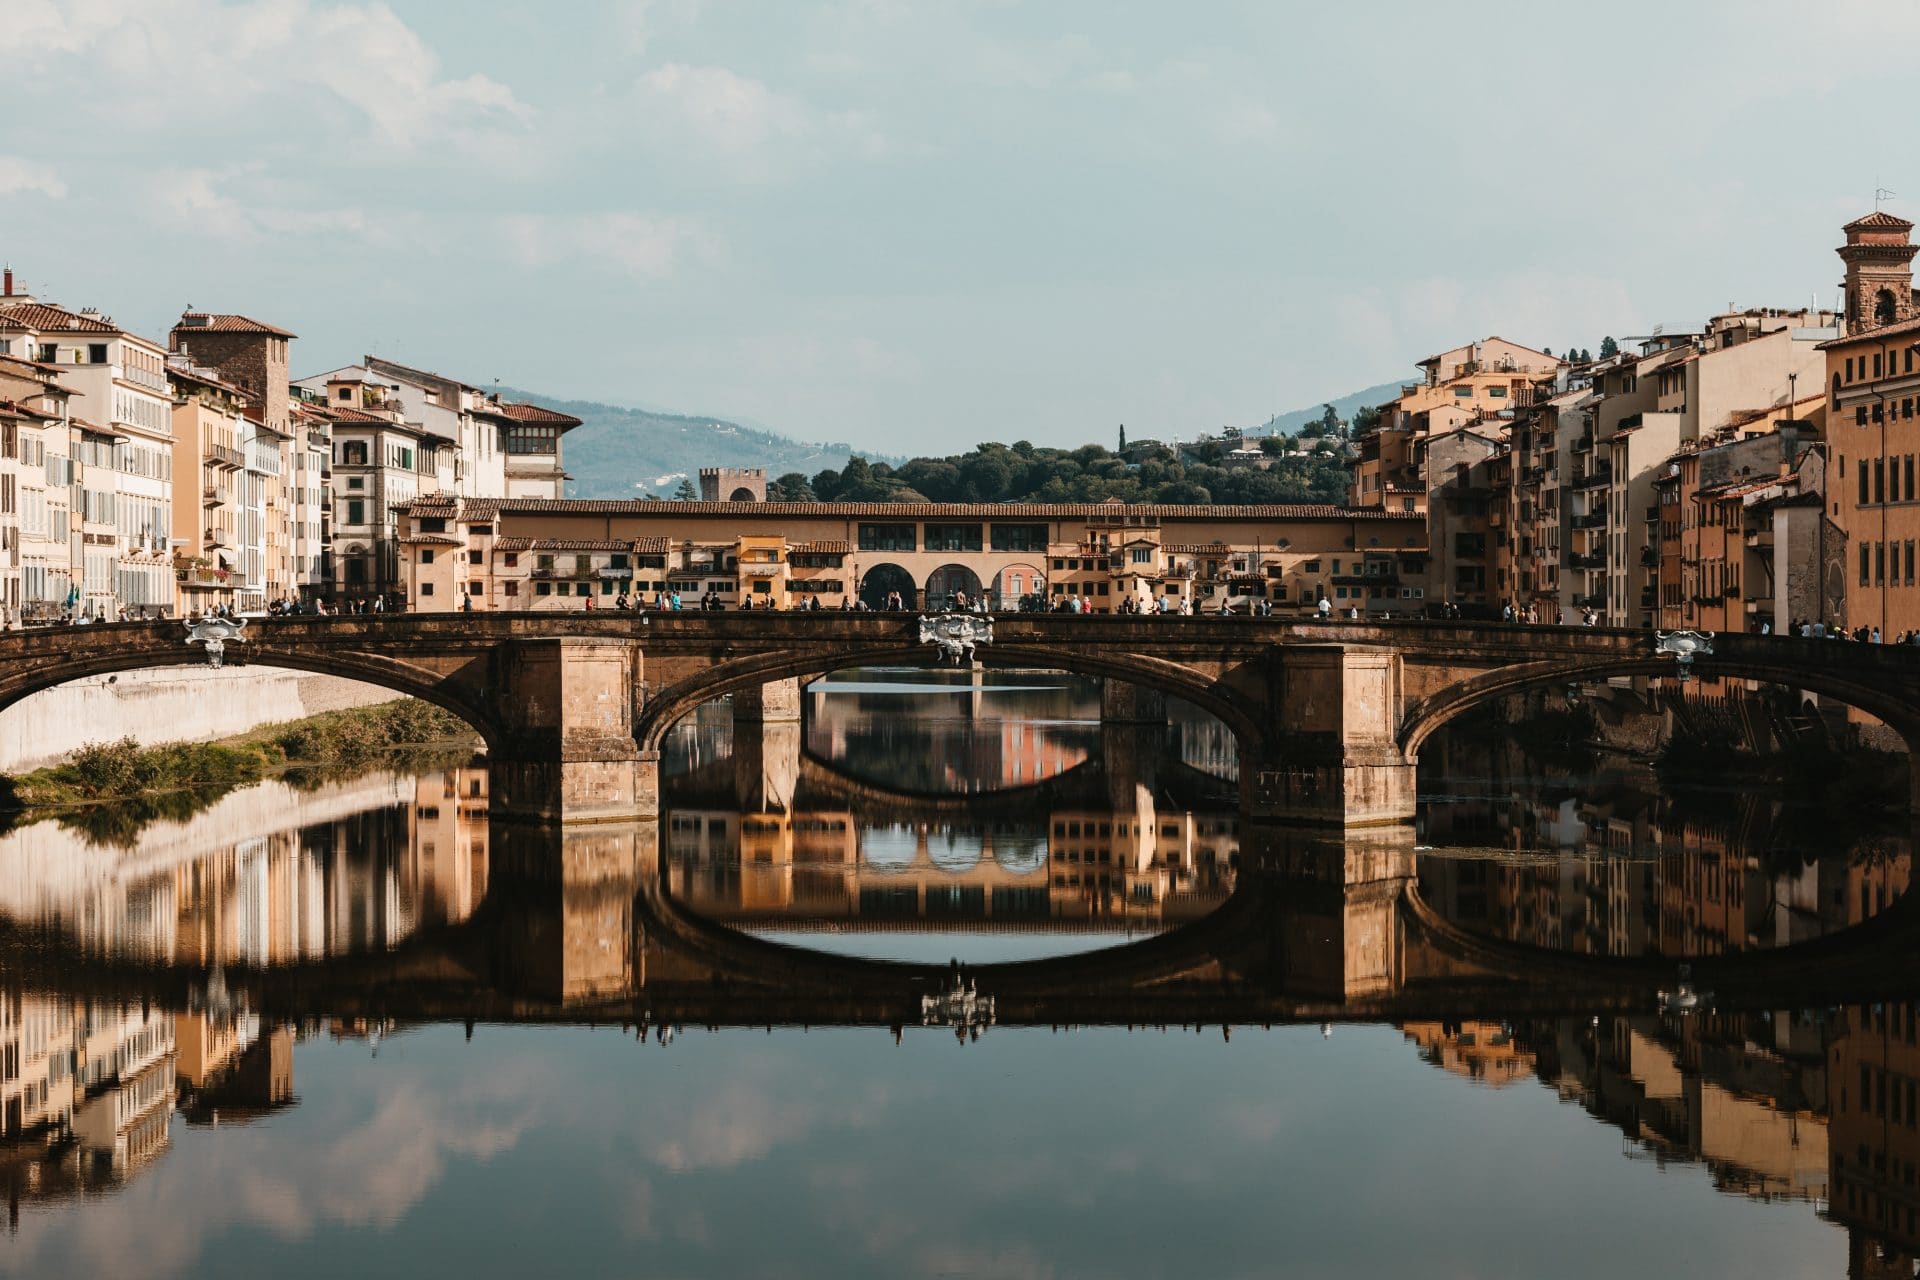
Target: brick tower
{"x":1879,"y":283}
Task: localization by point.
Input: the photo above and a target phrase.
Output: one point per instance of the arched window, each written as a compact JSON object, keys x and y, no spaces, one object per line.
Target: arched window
{"x":1883,"y":307}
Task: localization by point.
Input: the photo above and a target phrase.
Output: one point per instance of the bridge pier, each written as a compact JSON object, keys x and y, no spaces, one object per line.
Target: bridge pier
{"x":566,"y":752}
{"x":1332,"y":756}
{"x":1338,"y":934}
{"x":1124,"y":703}
{"x":566,"y":893}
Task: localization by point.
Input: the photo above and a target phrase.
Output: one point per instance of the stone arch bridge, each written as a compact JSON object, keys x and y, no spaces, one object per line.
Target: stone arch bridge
{"x":1329,"y":716}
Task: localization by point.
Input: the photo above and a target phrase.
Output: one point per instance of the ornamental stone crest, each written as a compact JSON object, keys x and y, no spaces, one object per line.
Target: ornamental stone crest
{"x":1684,"y":646}
{"x":214,"y":634}
{"x":961,"y":1007}
{"x":956,"y":634}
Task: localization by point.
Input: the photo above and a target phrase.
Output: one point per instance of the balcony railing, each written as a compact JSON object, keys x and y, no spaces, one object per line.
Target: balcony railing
{"x":224,"y":456}
{"x":1596,"y":560}
{"x":1595,"y":478}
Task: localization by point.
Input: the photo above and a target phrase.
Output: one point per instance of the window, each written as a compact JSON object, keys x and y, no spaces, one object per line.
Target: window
{"x":1879,"y":479}
{"x":473,"y":557}
{"x":426,"y":588}
{"x":96,"y":353}
{"x":887,"y":537}
{"x":1866,"y":478}
{"x":356,"y":511}
{"x":1879,"y":563}
{"x":1143,"y":555}
{"x":1497,"y":393}
{"x":473,"y":588}
{"x":346,"y":393}
{"x":1909,"y":561}
{"x":1866,"y":564}
{"x":546,"y":588}
{"x":1463,"y":393}
{"x":426,"y":556}
{"x":512,"y":589}
{"x":953,"y":537}
{"x":433,"y":524}
{"x":1019,"y":537}
{"x":1311,"y":566}
{"x":511,"y":559}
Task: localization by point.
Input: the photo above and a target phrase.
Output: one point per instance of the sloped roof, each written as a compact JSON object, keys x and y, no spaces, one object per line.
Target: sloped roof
{"x":226,"y":322}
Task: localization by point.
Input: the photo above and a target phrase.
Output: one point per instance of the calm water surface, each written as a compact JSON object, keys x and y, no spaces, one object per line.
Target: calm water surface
{"x":350,"y":1029}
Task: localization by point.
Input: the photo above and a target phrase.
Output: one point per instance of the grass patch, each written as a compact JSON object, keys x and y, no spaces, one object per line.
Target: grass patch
{"x":111,"y":790}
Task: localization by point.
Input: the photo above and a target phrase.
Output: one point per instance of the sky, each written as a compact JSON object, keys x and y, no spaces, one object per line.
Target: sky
{"x":918,"y":226}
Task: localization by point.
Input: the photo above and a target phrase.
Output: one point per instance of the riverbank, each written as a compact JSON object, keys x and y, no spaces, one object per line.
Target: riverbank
{"x":111,"y":790}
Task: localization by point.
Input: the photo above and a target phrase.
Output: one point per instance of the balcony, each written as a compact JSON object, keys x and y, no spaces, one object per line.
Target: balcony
{"x":1591,"y":602}
{"x":219,"y":538}
{"x":1594,"y":479}
{"x":221,"y":455}
{"x":1582,"y":444}
{"x":1598,"y":520}
{"x":1593,"y":560}
{"x":211,"y":496}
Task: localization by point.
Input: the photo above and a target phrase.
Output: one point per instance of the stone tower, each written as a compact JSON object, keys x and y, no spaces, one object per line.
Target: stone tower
{"x":245,"y":352}
{"x":1879,"y":281}
{"x":733,"y":484}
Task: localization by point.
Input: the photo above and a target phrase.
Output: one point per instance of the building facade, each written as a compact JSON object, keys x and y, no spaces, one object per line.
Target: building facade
{"x":518,"y":554}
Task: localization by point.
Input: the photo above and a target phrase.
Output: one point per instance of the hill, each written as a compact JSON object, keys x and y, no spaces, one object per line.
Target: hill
{"x":1346,"y":406}
{"x":618,"y":452}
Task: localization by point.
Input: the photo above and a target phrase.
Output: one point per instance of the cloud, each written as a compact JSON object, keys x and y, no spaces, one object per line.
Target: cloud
{"x":641,"y":246}
{"x":172,"y":59}
{"x":722,"y":118}
{"x":722,"y":109}
{"x":19,"y":177}
{"x":193,"y":199}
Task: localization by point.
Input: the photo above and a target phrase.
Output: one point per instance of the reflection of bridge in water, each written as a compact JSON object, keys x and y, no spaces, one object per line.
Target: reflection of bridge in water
{"x":579,"y":924}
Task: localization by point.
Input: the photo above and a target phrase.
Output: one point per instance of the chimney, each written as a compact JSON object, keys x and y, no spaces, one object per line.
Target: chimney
{"x":9,"y":282}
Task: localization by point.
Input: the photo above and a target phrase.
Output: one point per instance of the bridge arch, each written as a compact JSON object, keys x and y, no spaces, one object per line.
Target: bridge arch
{"x":669,"y":705}
{"x":108,"y":649}
{"x":1423,"y":718}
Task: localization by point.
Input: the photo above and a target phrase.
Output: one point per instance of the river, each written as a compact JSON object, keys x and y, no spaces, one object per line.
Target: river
{"x":950,"y":979}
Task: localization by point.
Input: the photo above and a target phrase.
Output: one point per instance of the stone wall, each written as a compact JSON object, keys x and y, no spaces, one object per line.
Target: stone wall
{"x":167,"y":704}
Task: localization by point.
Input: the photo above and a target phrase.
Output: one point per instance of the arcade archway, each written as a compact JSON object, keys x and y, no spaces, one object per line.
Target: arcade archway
{"x":884,"y":580}
{"x":950,"y":580}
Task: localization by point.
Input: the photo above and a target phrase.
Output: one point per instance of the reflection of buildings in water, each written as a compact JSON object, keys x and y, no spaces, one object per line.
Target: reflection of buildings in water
{"x":826,"y":866}
{"x":1875,"y":1067}
{"x":90,"y":1091}
{"x":1202,"y":741}
{"x":383,"y":858}
{"x":447,"y":841}
{"x":1745,"y":1096}
{"x":1481,"y":1051}
{"x":1706,"y":889}
{"x":948,"y":742}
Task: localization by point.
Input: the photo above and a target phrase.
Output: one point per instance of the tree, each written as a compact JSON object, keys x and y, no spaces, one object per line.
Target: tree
{"x":685,"y":493}
{"x":1365,"y":419}
{"x":1608,"y":348}
{"x":791,"y":487}
{"x":1123,"y":437}
{"x":1330,"y":420}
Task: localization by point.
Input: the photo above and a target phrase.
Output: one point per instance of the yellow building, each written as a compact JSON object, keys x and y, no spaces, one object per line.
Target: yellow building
{"x":533,"y":554}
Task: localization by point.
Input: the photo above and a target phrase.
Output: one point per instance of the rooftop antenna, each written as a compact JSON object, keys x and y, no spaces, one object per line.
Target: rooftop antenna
{"x":1880,"y":194}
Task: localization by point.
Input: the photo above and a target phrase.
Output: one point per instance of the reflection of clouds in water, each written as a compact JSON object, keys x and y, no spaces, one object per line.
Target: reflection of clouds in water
{"x":742,"y":1121}
{"x":893,"y":847}
{"x":1020,"y":855}
{"x":285,"y":1178}
{"x":955,"y":851}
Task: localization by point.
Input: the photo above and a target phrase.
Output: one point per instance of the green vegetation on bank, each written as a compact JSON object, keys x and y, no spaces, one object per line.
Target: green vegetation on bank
{"x":1144,"y":471}
{"x":110,"y":790}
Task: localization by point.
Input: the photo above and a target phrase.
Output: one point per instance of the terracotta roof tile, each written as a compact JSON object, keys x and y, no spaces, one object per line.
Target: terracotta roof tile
{"x":825,"y":548}
{"x":44,"y":316}
{"x":1880,"y":219}
{"x":219,"y":322}
{"x":1872,"y":335}
{"x":638,"y":546}
{"x":936,"y":510}
{"x":537,"y":414}
{"x":429,"y":539}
